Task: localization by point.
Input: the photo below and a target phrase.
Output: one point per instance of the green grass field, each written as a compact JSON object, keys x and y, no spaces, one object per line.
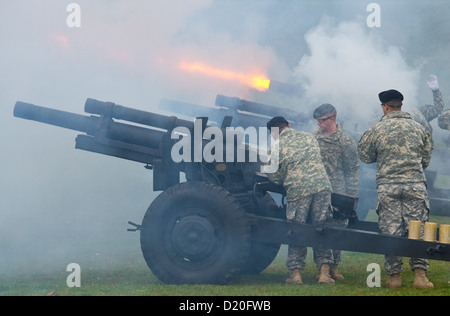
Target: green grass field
{"x":118,"y":269}
{"x":137,"y":280}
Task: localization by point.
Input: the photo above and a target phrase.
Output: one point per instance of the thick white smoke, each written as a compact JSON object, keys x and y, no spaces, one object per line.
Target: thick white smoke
{"x":348,"y":65}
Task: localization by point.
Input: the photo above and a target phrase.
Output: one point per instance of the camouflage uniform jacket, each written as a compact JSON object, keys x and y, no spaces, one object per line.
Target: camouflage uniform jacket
{"x":427,"y":113}
{"x":340,"y":158}
{"x":300,"y":171}
{"x":444,"y":120}
{"x":400,"y":146}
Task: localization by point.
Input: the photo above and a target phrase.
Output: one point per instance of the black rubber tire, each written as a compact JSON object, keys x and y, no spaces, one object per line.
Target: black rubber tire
{"x":195,"y":233}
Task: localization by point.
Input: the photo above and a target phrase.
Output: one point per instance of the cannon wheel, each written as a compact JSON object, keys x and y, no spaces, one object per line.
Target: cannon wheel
{"x":195,"y":233}
{"x":262,"y":254}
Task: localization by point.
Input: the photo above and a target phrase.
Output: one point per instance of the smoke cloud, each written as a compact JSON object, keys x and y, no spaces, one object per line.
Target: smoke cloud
{"x":348,"y":65}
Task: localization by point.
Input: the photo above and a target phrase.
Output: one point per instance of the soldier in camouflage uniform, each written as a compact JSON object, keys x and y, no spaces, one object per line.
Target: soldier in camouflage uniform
{"x":340,"y":158}
{"x":402,"y":150}
{"x":308,"y":192}
{"x":425,"y":114}
{"x":444,"y":120}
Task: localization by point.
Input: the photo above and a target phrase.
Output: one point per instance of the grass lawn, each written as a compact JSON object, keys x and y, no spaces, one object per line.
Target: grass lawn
{"x":118,"y":269}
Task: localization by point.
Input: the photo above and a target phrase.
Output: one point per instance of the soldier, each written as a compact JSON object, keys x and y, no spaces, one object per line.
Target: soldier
{"x":444,"y":120}
{"x":308,"y":192}
{"x":340,"y":158}
{"x":402,"y":150}
{"x":425,"y":114}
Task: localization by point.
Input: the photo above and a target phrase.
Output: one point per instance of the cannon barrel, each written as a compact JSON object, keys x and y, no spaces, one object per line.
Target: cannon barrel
{"x":91,"y":125}
{"x":214,"y":113}
{"x":270,"y":111}
{"x":245,"y":113}
{"x":132,"y":115}
{"x":59,"y":118}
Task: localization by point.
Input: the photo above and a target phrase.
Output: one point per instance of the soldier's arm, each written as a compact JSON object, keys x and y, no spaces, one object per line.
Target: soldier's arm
{"x":430,"y":112}
{"x":444,"y":120}
{"x":438,"y":101}
{"x":277,"y":176}
{"x":428,"y":148}
{"x":351,"y":166}
{"x":366,"y":148}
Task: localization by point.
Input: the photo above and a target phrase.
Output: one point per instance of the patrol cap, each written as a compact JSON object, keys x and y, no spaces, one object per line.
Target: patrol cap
{"x":390,"y":95}
{"x":276,"y":122}
{"x":324,"y":109}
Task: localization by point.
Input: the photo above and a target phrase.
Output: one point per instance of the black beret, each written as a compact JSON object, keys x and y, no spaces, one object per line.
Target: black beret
{"x":390,"y":95}
{"x":276,"y":122}
{"x":324,"y":109}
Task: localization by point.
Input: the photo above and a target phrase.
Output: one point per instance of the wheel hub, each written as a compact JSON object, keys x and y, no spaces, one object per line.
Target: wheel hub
{"x":194,"y":238}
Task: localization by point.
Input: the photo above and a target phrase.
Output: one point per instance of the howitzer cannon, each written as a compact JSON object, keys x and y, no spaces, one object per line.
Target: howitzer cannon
{"x":222,"y":220}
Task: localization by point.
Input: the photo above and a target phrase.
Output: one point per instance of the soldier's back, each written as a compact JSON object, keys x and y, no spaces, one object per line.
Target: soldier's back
{"x":401,"y":146}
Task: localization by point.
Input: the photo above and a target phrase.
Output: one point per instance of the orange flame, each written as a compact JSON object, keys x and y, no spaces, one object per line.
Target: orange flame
{"x":62,"y":41}
{"x":259,"y":82}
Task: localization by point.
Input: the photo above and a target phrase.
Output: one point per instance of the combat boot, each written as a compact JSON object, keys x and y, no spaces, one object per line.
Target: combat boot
{"x":394,"y":281}
{"x":324,"y":275}
{"x":295,"y":277}
{"x":420,"y":280}
{"x":334,"y":273}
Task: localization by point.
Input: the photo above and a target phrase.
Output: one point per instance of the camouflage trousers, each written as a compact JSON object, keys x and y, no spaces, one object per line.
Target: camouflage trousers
{"x":397,"y":205}
{"x":317,"y":207}
{"x":337,"y":256}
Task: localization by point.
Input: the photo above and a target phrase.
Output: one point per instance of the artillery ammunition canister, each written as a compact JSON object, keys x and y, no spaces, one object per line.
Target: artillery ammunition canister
{"x":444,"y":234}
{"x":430,"y":232}
{"x":414,"y":229}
